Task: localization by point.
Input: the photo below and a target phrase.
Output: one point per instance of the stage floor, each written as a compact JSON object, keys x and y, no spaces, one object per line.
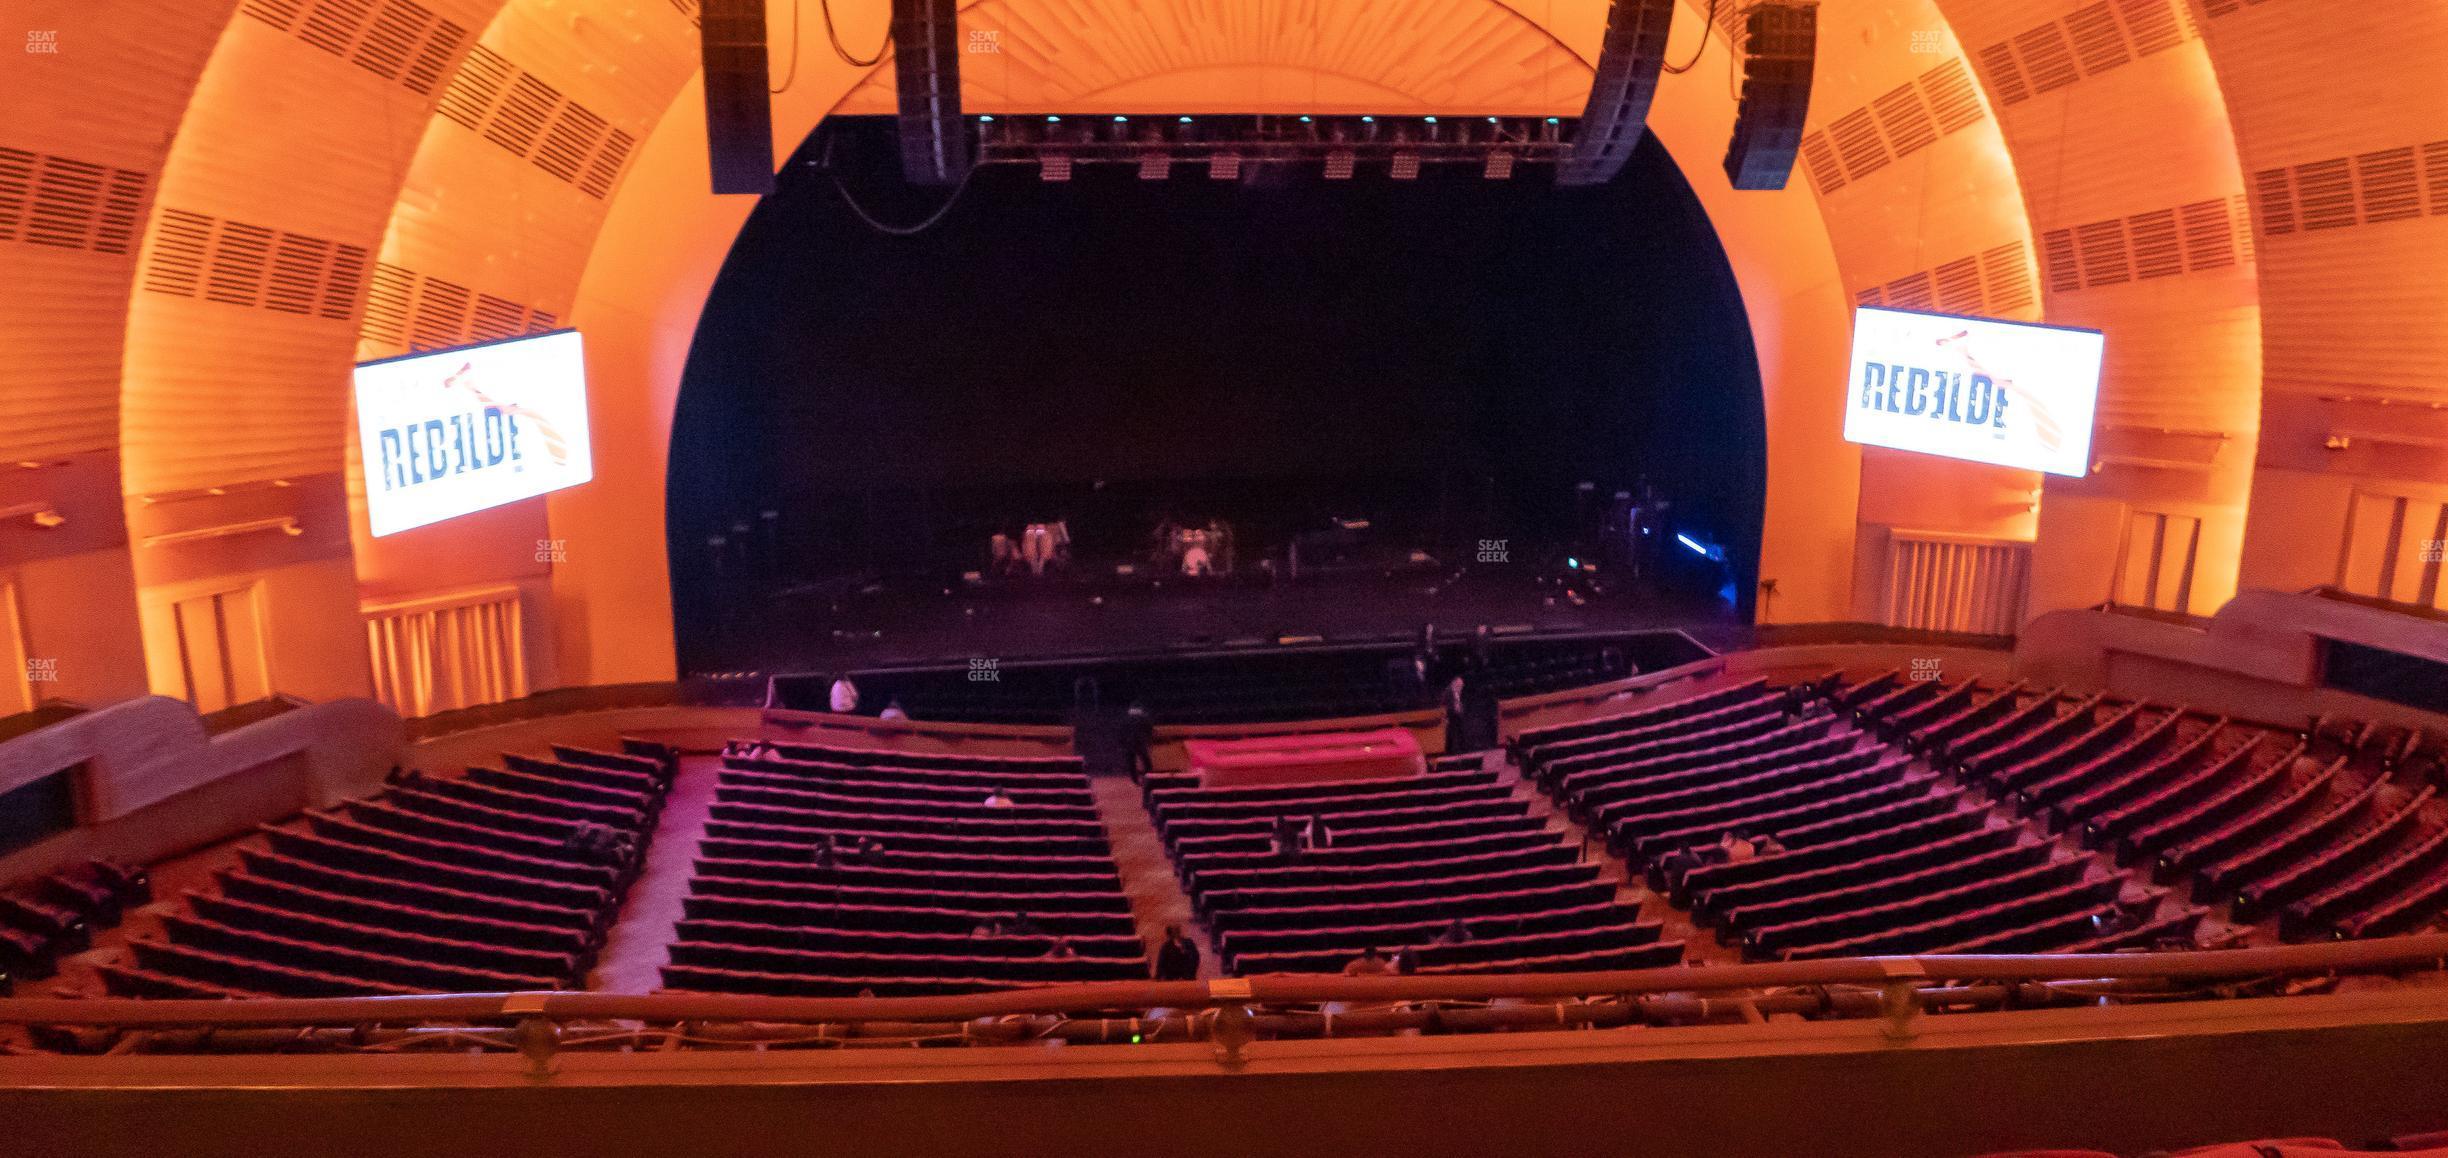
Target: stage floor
{"x":810,"y":629}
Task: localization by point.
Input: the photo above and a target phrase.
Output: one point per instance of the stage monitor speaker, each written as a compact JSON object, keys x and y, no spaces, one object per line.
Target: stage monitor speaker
{"x":1627,"y":77}
{"x":1779,"y":43}
{"x":739,"y":109}
{"x":926,"y":62}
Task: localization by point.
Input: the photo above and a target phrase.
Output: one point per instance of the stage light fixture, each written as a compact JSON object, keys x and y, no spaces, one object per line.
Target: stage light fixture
{"x":1155,"y":166}
{"x":1339,"y":165}
{"x":1499,"y":166}
{"x":1406,"y":166}
{"x":1224,"y":166}
{"x":1054,"y":167}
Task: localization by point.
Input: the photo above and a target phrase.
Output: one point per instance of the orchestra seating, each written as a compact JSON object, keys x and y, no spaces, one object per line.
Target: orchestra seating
{"x":1918,"y":816}
{"x":960,"y":896}
{"x":1408,"y":858}
{"x":1887,"y":814}
{"x":499,"y":879}
{"x":56,"y":914}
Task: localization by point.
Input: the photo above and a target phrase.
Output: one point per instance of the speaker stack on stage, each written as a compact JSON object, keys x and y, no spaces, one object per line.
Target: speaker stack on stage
{"x":739,"y":109}
{"x":1618,"y":109}
{"x":1779,"y":42}
{"x":935,"y":146}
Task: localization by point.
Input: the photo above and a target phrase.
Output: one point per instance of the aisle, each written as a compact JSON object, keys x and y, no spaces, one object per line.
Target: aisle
{"x":639,"y":943}
{"x":1156,"y":895}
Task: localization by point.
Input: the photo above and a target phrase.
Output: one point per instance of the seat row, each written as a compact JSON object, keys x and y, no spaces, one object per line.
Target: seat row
{"x":1446,"y":871}
{"x":499,"y":879}
{"x":835,"y":872}
{"x":57,"y":913}
{"x":2232,"y":811}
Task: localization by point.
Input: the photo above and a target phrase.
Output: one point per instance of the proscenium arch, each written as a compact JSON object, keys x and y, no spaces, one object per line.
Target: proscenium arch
{"x":665,"y":238}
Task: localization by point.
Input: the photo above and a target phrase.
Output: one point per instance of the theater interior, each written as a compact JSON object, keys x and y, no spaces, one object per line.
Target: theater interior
{"x":939,"y":577}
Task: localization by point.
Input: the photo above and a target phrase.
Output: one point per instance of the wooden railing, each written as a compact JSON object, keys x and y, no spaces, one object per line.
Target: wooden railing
{"x":1228,"y":1011}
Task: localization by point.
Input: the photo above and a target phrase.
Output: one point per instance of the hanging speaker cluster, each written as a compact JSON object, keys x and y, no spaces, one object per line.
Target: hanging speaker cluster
{"x":1627,"y":77}
{"x":739,"y":109}
{"x":935,"y":146}
{"x":1780,"y":41}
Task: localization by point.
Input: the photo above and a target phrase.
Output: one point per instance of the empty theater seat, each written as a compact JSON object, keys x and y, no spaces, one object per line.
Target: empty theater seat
{"x":1408,"y":859}
{"x":435,"y":885}
{"x":950,"y":894}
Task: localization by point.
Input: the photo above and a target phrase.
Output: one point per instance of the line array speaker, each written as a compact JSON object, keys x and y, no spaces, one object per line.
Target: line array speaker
{"x":1779,"y":43}
{"x":1627,"y":77}
{"x":926,"y":62}
{"x":739,"y":110}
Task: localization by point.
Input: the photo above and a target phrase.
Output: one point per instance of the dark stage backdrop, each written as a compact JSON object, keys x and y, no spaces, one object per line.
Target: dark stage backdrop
{"x":1448,"y":356}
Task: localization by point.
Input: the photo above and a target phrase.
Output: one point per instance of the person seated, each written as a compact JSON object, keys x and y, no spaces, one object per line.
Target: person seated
{"x":1406,"y":961}
{"x":1370,"y":963}
{"x":1736,"y":848}
{"x":1314,"y":835}
{"x":1061,"y":950}
{"x":996,"y":798}
{"x":870,"y":848}
{"x":892,"y":711}
{"x":1456,"y":933}
{"x":1283,"y":840}
{"x":826,"y":853}
{"x":1767,"y":844}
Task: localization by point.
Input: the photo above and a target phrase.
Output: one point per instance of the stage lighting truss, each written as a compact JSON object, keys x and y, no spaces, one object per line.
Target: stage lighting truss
{"x":1340,"y":146}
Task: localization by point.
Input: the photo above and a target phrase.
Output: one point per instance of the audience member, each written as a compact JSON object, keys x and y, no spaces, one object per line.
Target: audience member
{"x":845,"y":699}
{"x":1284,"y":839}
{"x":1178,"y":958}
{"x":1139,"y":736}
{"x":996,"y":798}
{"x":1456,"y":933}
{"x":1061,"y":950}
{"x":892,"y":711}
{"x":1370,"y":963}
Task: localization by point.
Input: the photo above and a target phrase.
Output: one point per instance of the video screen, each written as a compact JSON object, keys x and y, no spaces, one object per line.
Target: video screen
{"x":2006,"y":393}
{"x":450,"y":432}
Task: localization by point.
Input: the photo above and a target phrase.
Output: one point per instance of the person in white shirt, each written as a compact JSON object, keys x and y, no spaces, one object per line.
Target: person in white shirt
{"x":845,"y":696}
{"x":892,"y":711}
